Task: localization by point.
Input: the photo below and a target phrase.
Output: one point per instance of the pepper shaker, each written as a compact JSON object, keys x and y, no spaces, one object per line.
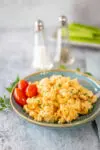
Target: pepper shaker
{"x":63,"y":51}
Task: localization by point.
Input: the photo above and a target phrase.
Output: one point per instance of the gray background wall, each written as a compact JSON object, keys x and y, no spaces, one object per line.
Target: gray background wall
{"x":22,"y":13}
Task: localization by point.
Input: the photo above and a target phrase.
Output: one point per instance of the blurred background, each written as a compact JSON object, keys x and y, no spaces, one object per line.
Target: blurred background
{"x":23,"y":13}
{"x":17,"y":15}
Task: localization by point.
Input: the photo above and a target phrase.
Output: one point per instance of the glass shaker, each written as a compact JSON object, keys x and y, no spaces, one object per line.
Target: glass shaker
{"x":41,"y":58}
{"x":63,"y":52}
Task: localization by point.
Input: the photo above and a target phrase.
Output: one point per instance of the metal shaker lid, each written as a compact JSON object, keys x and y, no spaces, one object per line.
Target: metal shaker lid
{"x":62,"y":20}
{"x":39,"y":25}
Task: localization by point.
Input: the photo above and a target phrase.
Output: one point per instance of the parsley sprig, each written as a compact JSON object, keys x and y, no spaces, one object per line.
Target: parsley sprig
{"x":11,"y":86}
{"x":5,"y":101}
{"x":77,"y":69}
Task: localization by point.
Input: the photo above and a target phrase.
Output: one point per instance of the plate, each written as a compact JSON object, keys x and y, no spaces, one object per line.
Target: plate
{"x":80,"y":44}
{"x":84,"y":80}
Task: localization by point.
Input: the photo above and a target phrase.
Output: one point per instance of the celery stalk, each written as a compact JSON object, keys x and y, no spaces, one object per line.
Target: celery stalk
{"x":78,"y":26}
{"x":77,"y":33}
{"x":85,"y":40}
{"x":80,"y":34}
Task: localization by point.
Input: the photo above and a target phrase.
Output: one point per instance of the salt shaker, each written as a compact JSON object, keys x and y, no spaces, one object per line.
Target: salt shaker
{"x":41,"y":58}
{"x":63,"y":55}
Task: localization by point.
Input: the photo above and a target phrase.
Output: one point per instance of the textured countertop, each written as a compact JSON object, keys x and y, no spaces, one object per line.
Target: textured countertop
{"x":16,"y":48}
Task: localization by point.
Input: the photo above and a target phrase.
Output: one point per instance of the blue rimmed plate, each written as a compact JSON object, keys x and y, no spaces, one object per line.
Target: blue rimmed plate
{"x":84,"y":80}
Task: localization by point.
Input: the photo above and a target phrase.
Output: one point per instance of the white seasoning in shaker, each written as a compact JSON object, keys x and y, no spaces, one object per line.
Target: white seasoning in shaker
{"x":41,"y":58}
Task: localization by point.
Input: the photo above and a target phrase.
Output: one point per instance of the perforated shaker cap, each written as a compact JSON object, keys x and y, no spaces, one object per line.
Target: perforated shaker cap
{"x":39,"y":25}
{"x":62,"y":21}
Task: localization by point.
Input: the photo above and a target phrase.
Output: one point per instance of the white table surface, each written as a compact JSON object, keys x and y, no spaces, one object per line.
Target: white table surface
{"x":16,"y":48}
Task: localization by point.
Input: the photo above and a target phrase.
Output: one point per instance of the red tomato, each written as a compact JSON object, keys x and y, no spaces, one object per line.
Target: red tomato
{"x":19,"y":96}
{"x":31,"y":90}
{"x":22,"y":85}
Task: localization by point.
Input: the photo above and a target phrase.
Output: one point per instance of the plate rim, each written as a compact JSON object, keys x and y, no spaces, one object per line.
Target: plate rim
{"x":66,"y":125}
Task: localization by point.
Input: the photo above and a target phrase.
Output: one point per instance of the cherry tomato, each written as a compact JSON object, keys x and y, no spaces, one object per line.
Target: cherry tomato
{"x":22,"y":85}
{"x":20,"y":96}
{"x":31,"y":90}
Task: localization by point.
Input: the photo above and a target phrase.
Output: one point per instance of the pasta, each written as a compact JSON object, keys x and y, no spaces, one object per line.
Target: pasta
{"x":60,"y":99}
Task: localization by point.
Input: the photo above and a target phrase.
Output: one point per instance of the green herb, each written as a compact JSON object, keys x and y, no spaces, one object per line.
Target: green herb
{"x":72,"y":91}
{"x":63,"y":67}
{"x":4,"y":103}
{"x":24,"y":111}
{"x":78,"y":69}
{"x":59,"y":85}
{"x":89,"y":100}
{"x":90,"y":110}
{"x":9,"y":89}
{"x":85,"y":94}
{"x":40,"y":106}
{"x":38,"y":100}
{"x":88,"y":73}
{"x":79,"y":90}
